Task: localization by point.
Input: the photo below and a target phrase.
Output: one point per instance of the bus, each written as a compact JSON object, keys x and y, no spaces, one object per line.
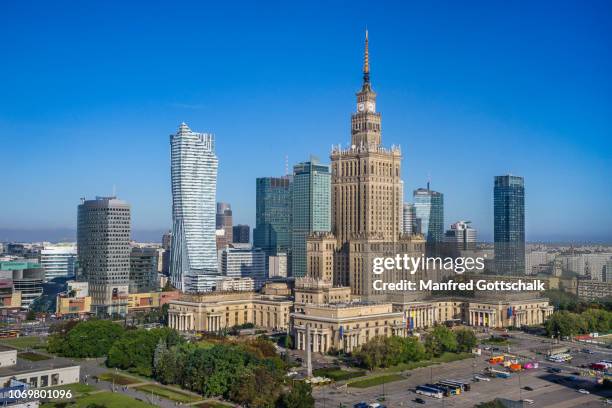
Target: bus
{"x":499,"y":373}
{"x":465,"y":386}
{"x":429,"y":392}
{"x":9,"y":334}
{"x":453,"y":389}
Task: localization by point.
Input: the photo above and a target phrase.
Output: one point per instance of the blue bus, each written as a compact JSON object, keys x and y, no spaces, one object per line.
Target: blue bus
{"x":429,"y":392}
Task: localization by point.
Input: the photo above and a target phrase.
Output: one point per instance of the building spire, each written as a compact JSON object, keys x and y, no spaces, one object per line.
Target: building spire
{"x":366,"y":61}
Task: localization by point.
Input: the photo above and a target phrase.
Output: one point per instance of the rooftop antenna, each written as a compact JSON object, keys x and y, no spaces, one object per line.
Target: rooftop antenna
{"x":428,"y":180}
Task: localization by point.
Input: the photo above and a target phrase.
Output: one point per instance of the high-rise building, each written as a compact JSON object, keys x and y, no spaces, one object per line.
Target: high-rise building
{"x":311,"y":212}
{"x":429,"y":214}
{"x":244,"y":263}
{"x":367,"y":201}
{"x":272,"y":231}
{"x":166,"y":247}
{"x":509,"y":225}
{"x":461,"y":236}
{"x":143,"y":270}
{"x":409,"y":219}
{"x":103,"y":247}
{"x":241,"y":234}
{"x":223,"y":220}
{"x":59,"y":261}
{"x":193,"y":261}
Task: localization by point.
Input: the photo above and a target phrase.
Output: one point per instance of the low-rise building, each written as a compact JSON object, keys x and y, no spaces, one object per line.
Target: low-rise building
{"x":344,"y":326}
{"x":38,"y":374}
{"x":150,"y":300}
{"x":214,"y":311}
{"x":236,"y":284}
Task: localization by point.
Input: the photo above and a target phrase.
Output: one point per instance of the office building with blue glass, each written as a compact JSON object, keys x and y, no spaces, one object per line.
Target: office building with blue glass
{"x":311,"y":208}
{"x":272,"y":231}
{"x":429,"y":214}
{"x":509,"y":225}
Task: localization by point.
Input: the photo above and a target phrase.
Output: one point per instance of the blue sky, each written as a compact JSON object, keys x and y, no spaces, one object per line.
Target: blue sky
{"x":90,"y":92}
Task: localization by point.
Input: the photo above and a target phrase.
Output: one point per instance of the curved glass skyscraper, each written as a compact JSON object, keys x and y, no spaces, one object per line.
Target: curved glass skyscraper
{"x":193,"y":261}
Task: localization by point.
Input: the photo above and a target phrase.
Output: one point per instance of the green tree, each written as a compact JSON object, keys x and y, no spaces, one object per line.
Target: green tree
{"x":258,"y":388}
{"x":300,"y":396}
{"x":466,"y":339}
{"x":563,"y":323}
{"x":412,"y":350}
{"x":440,"y":339}
{"x":92,"y":338}
{"x":135,"y":350}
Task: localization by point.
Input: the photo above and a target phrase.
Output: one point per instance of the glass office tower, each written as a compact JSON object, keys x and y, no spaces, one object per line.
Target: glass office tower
{"x":429,"y":214}
{"x":311,"y":208}
{"x":193,"y":260}
{"x":272,"y":231}
{"x":509,"y":225}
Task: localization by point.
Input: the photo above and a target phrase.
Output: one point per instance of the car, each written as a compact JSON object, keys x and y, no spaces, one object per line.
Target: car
{"x":583,"y":391}
{"x":586,"y":350}
{"x":554,"y":370}
{"x":528,"y":388}
{"x":419,"y":400}
{"x":527,"y":401}
{"x":481,"y":378}
{"x":361,"y":405}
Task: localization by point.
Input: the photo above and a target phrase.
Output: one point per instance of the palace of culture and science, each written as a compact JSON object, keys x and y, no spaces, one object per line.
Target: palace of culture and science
{"x":336,"y":301}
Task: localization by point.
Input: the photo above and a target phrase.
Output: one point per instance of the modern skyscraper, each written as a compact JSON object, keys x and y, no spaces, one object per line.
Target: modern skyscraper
{"x":224,"y":220}
{"x":273,"y":215}
{"x":409,"y":219}
{"x":143,"y":270}
{"x":461,"y":236}
{"x":59,"y":261}
{"x":241,"y":234}
{"x":193,"y":261}
{"x":509,"y":225}
{"x":103,"y":247}
{"x":311,"y":208}
{"x":166,"y":246}
{"x":429,"y":213}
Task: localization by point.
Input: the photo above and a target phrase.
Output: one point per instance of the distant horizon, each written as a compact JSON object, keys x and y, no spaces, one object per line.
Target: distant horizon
{"x":57,"y":235}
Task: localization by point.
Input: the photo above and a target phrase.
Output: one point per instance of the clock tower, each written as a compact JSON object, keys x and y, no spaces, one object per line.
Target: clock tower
{"x":365,"y":123}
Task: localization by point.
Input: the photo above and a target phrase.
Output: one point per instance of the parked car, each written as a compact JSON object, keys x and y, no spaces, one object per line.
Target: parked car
{"x":583,"y":391}
{"x":419,"y":400}
{"x":361,"y":405}
{"x":528,"y":388}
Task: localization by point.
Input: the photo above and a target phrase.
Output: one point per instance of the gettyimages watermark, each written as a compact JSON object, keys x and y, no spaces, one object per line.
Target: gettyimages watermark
{"x":412,"y":272}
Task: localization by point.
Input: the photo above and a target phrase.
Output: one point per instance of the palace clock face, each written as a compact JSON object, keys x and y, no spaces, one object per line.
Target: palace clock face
{"x":370,"y":106}
{"x":360,"y":107}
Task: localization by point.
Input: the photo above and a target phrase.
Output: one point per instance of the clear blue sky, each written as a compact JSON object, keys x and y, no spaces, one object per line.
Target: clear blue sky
{"x":90,"y":91}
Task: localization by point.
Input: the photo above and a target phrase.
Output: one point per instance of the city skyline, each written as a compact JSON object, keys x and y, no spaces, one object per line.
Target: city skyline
{"x":514,"y":139}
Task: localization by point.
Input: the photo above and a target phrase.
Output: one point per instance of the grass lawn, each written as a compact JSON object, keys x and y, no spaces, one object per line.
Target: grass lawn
{"x":119,"y":379}
{"x":168,"y":393}
{"x":107,"y":399}
{"x":28,"y":355}
{"x":31,"y":342}
{"x":337,"y":374}
{"x":372,"y":381}
{"x":444,"y":358}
